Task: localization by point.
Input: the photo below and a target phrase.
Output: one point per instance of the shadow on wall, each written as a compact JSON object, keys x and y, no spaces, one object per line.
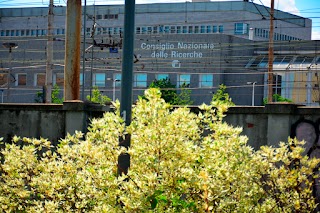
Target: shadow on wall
{"x":308,"y":131}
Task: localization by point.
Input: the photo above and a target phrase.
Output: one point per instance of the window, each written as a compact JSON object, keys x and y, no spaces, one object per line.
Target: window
{"x":184,"y":29}
{"x":99,"y":80}
{"x":161,"y":76}
{"x":117,"y":77}
{"x":21,"y":79}
{"x":40,"y":79}
{"x":196,"y":29}
{"x":27,"y":32}
{"x":99,"y":16}
{"x":220,"y":28}
{"x":241,"y":28}
{"x":173,"y":29}
{"x":138,"y":30}
{"x":2,"y":33}
{"x":179,"y":29}
{"x":208,"y":29}
{"x":149,"y":30}
{"x":58,"y":79}
{"x":206,"y":80}
{"x":82,"y":78}
{"x":214,"y":29}
{"x":190,"y":29}
{"x":3,"y":79}
{"x":140,"y":80}
{"x":184,"y":80}
{"x":143,"y":30}
{"x":166,"y":29}
{"x":155,"y":30}
{"x":203,"y":29}
{"x":277,"y":81}
{"x":17,"y":32}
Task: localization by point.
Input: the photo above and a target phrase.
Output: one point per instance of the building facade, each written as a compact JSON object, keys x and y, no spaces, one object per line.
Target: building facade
{"x":198,"y":44}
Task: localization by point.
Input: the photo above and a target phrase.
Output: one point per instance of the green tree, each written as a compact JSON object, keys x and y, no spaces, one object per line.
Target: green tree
{"x":169,"y":92}
{"x":221,"y":97}
{"x":277,"y":98}
{"x":97,"y":97}
{"x":54,"y":96}
{"x":175,"y":167}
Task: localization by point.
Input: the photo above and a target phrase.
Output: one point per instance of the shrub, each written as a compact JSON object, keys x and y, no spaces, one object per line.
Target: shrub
{"x":97,"y":97}
{"x":175,"y":167}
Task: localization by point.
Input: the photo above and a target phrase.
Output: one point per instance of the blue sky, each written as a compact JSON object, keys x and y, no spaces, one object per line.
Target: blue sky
{"x":305,"y":8}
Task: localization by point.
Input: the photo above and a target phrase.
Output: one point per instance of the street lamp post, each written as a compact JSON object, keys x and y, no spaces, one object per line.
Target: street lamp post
{"x":114,"y":89}
{"x":10,"y":46}
{"x":253,"y":83}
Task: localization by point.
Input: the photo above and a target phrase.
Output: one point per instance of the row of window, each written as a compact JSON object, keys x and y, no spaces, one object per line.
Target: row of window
{"x":263,"y":33}
{"x":32,"y":32}
{"x":101,"y":80}
{"x":105,"y":16}
{"x":117,"y":30}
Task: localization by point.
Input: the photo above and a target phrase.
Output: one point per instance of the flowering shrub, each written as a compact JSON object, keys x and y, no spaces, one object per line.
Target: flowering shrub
{"x":180,"y":162}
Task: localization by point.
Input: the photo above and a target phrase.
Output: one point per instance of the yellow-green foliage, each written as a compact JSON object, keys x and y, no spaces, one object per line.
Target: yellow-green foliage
{"x":180,"y":162}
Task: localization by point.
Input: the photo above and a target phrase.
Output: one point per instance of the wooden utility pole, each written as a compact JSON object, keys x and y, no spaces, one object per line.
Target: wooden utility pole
{"x":49,"y":55}
{"x":72,"y":51}
{"x":270,"y":59}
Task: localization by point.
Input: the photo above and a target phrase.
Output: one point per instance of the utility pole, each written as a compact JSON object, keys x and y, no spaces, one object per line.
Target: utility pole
{"x":270,"y":59}
{"x":72,"y":51}
{"x":126,"y":80}
{"x":49,"y":55}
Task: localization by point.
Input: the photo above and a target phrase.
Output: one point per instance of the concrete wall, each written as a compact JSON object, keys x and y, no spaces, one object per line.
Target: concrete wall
{"x":52,"y":121}
{"x":274,"y":123}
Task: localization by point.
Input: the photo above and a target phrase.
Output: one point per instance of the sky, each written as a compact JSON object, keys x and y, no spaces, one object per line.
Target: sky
{"x":305,"y":8}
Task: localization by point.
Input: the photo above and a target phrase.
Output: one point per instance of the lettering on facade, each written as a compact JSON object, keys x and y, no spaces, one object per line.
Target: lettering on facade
{"x":178,"y":50}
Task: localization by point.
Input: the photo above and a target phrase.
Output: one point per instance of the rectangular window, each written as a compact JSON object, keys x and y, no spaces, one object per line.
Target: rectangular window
{"x":21,"y":79}
{"x":162,"y":76}
{"x":40,"y":79}
{"x":2,"y":32}
{"x":140,"y":80}
{"x":161,"y":29}
{"x":12,"y":33}
{"x":99,"y":80}
{"x":209,"y":29}
{"x":173,"y":29}
{"x":17,"y":32}
{"x":27,"y":32}
{"x":166,"y":29}
{"x":22,"y":32}
{"x":82,"y":79}
{"x":117,"y":78}
{"x":58,"y":79}
{"x":149,"y":29}
{"x":214,"y":29}
{"x":184,"y":80}
{"x":99,"y":16}
{"x":155,"y":30}
{"x":220,"y":28}
{"x":203,"y":29}
{"x":184,"y":29}
{"x":241,"y":28}
{"x":196,"y":29}
{"x":206,"y":80}
{"x":190,"y":29}
{"x":179,"y":29}
{"x":143,"y":30}
{"x":3,"y":79}
{"x":116,"y":30}
{"x":138,"y":30}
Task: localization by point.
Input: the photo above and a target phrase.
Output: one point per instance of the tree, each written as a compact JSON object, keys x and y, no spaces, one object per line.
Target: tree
{"x":54,"y":96}
{"x":277,"y":98}
{"x":169,"y":92}
{"x":175,"y":167}
{"x":221,"y":97}
{"x":97,"y":97}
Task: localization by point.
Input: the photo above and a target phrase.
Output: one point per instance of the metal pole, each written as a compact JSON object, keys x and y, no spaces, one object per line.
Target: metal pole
{"x":270,"y":59}
{"x":49,"y":54}
{"x":127,"y":78}
{"x":114,"y":90}
{"x":84,"y":47}
{"x":72,"y":51}
{"x":9,"y":75}
{"x":253,"y":92}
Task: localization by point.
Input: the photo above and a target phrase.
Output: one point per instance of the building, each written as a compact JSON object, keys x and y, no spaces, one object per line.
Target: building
{"x":201,"y":44}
